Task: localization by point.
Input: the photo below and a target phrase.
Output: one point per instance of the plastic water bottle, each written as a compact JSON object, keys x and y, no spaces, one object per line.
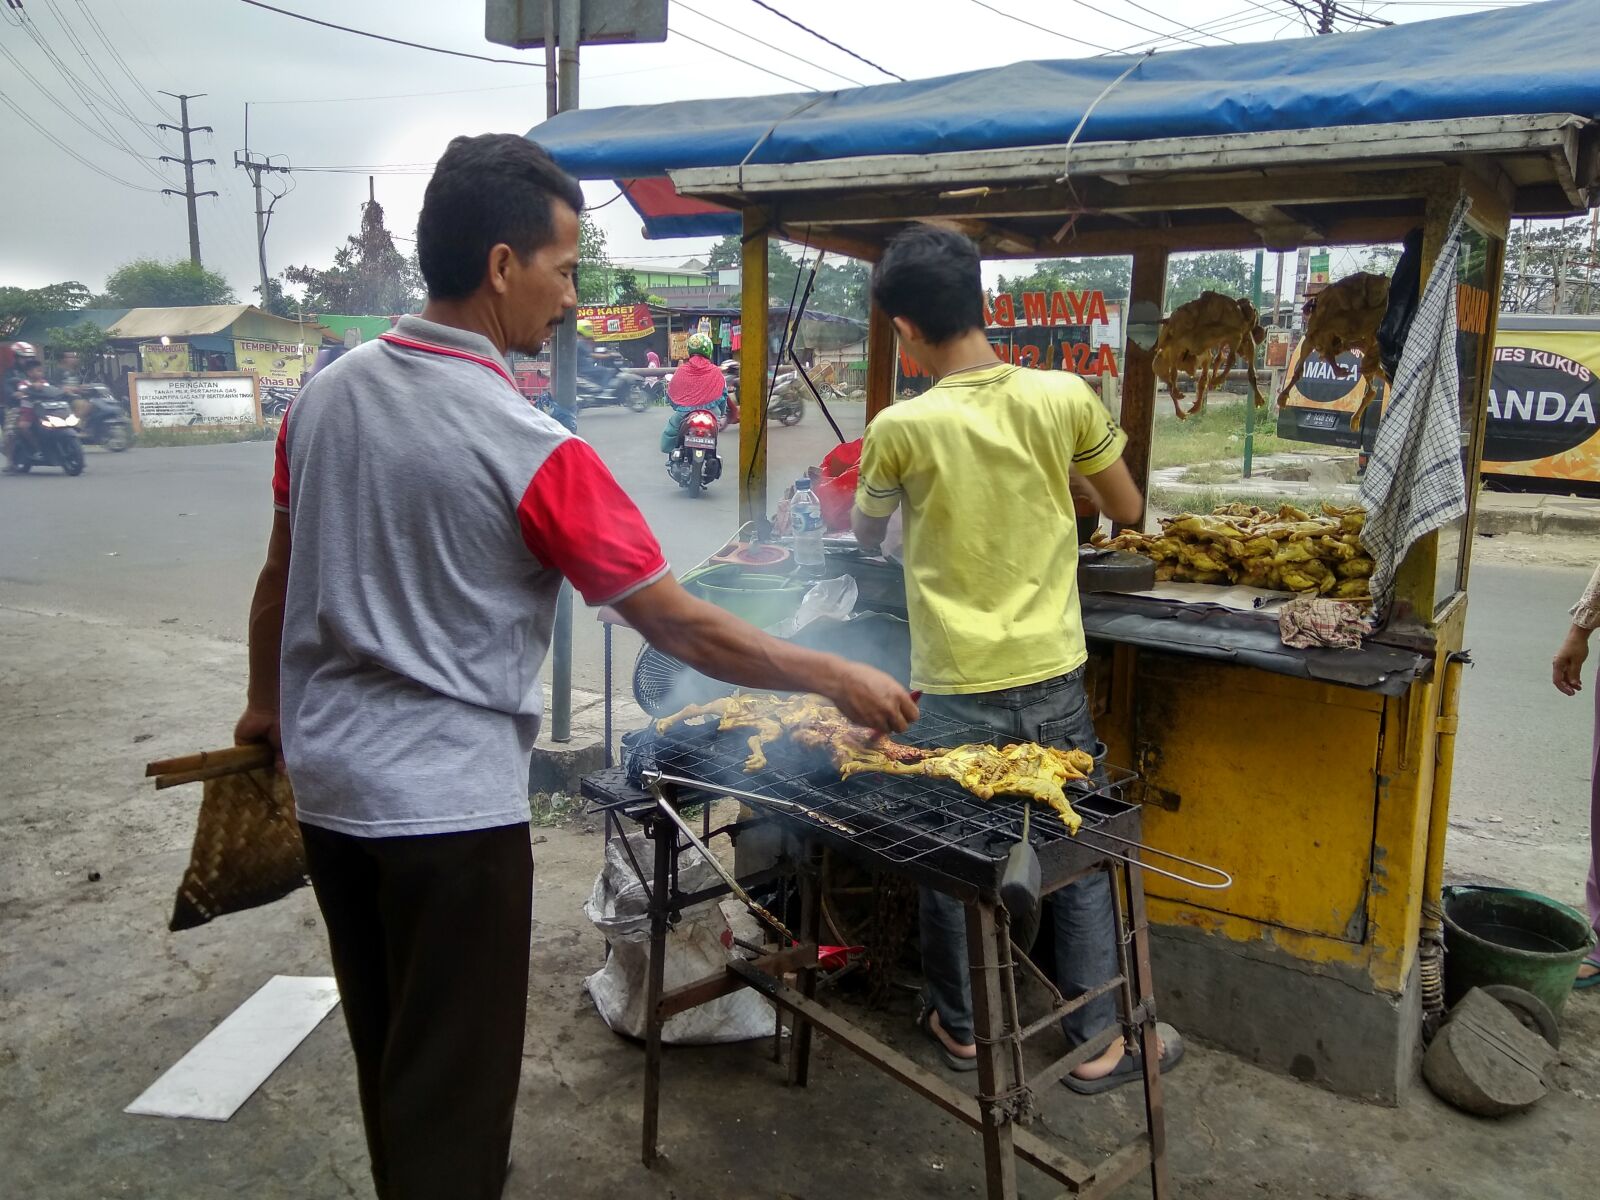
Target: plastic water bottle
{"x":805,"y":515}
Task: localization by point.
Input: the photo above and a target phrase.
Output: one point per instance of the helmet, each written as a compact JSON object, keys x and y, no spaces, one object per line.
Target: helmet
{"x":585,"y":328}
{"x":24,"y":351}
{"x":699,"y":343}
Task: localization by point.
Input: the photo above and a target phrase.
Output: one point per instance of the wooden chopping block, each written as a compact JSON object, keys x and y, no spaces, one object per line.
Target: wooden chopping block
{"x":1485,"y":1061}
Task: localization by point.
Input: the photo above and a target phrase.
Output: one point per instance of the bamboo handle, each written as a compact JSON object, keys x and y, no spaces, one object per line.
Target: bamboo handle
{"x":233,"y":758}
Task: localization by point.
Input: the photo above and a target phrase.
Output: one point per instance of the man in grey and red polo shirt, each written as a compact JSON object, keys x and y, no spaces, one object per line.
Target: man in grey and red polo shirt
{"x":426,"y":515}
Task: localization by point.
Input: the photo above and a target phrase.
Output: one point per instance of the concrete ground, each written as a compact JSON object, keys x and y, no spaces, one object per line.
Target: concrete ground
{"x":118,"y":644}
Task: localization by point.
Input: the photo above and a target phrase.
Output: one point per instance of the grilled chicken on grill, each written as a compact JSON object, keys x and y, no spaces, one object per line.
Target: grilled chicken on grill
{"x":809,"y":721}
{"x":1024,"y":769}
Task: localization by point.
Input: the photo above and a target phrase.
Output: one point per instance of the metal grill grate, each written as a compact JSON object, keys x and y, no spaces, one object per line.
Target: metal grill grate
{"x":904,"y":819}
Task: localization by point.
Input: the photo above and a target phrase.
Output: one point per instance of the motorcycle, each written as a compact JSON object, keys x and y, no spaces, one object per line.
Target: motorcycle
{"x":613,"y":387}
{"x":275,"y":401}
{"x":47,"y":433}
{"x":102,"y":420}
{"x":788,"y":403}
{"x":693,"y":462}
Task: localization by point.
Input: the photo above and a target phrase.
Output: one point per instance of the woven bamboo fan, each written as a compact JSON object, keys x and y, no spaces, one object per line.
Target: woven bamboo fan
{"x":247,"y":849}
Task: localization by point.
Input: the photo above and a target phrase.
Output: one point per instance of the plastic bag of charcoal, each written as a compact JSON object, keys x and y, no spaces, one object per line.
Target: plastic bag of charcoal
{"x":698,"y":945}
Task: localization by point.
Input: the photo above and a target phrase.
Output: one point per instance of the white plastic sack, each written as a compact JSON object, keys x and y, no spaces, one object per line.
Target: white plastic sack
{"x":697,"y":946}
{"x":832,"y":598}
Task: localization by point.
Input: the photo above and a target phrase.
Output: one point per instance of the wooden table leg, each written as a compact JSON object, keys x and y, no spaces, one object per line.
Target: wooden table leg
{"x":810,"y":931}
{"x":994,"y":1059}
{"x":665,"y":838}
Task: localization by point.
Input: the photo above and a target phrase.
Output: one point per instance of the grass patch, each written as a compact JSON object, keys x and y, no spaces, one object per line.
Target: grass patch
{"x":1203,"y":500}
{"x":182,"y":436}
{"x":1215,"y":434}
{"x":1211,"y":472}
{"x":546,"y":810}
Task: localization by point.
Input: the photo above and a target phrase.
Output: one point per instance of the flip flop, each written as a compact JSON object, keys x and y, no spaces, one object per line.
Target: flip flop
{"x":1127,"y":1069}
{"x":1580,"y":985}
{"x":954,"y":1061}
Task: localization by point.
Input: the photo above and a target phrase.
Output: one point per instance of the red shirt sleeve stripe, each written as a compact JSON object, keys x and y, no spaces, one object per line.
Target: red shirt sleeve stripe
{"x":280,"y":466}
{"x":576,"y":519}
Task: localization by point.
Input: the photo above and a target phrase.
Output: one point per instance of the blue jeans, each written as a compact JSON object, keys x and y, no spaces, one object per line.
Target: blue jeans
{"x":1052,"y":713}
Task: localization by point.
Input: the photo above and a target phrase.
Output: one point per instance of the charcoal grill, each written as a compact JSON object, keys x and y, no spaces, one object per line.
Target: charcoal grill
{"x":936,"y":833}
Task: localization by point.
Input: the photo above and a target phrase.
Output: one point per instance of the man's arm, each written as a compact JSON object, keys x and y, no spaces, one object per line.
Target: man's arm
{"x":260,"y":719}
{"x":869,"y":531}
{"x":1113,"y":492}
{"x":720,"y":645}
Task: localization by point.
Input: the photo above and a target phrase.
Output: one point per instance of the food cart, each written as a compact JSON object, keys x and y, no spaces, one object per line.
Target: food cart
{"x":1320,"y":779}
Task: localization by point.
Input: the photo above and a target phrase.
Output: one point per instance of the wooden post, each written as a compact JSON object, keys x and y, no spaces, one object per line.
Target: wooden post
{"x":1149,"y":285}
{"x":881,"y":351}
{"x":753,"y":369}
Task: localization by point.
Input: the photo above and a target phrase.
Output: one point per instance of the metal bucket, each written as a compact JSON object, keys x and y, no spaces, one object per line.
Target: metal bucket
{"x":1502,"y":935}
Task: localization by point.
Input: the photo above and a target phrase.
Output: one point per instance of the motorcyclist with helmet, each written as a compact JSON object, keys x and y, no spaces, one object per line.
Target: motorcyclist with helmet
{"x":25,"y":375}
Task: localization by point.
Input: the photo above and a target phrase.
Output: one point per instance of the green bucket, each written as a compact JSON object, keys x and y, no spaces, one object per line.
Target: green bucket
{"x":763,"y":600}
{"x":1502,"y":935}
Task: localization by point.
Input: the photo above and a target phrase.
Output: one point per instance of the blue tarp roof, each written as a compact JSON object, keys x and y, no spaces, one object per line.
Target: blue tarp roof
{"x":1530,"y":59}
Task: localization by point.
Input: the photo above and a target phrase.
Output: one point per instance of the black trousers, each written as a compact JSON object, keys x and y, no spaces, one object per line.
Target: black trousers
{"x":429,"y":938}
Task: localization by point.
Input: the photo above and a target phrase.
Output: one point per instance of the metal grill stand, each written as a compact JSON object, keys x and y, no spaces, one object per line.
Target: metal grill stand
{"x":1004,"y":1104}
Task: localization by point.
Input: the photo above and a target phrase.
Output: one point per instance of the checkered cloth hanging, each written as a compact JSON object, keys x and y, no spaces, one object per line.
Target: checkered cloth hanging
{"x":1414,"y":482}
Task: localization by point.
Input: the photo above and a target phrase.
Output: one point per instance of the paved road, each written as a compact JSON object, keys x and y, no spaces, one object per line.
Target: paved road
{"x":173,"y":538}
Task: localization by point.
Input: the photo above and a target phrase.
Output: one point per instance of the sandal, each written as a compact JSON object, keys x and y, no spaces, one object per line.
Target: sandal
{"x":954,"y":1061}
{"x":1583,"y":984}
{"x":1127,"y":1069}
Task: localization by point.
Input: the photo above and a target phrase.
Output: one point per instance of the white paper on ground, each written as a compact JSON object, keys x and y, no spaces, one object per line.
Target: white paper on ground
{"x":1240,"y":599}
{"x":227,"y":1065}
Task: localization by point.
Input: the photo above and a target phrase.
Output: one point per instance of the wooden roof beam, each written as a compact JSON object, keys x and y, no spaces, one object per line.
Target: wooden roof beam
{"x":1277,"y":229}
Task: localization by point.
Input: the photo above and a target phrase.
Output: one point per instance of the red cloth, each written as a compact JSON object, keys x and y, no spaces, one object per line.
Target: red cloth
{"x":696,"y":384}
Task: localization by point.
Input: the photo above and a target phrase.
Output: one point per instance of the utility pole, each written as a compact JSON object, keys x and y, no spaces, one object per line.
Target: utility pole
{"x":188,"y":160}
{"x":567,"y":25}
{"x":1588,"y":278}
{"x":256,"y":165}
{"x":1325,"y":18}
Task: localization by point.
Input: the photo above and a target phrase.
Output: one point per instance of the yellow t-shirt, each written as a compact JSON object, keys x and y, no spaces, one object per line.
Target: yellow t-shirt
{"x":980,"y":462}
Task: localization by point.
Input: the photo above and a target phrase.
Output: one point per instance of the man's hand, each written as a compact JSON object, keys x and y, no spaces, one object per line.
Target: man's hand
{"x":1567,"y":667}
{"x":869,"y":697}
{"x":257,"y":725}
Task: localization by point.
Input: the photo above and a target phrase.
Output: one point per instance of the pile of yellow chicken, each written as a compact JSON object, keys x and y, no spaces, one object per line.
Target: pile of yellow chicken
{"x":1287,"y":549}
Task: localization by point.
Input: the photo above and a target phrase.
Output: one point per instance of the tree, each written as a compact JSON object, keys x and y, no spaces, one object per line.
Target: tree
{"x":151,"y":283}
{"x":1109,"y":276}
{"x":85,"y":339}
{"x":18,"y":304}
{"x":275,"y":300}
{"x":595,"y":277}
{"x":626,"y":289}
{"x":1216,"y":271}
{"x":1548,"y":269}
{"x":724,"y":255}
{"x":1381,"y":260}
{"x":368,"y":274}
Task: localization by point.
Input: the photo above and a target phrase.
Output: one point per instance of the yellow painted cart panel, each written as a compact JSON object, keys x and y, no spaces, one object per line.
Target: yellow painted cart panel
{"x":1291,"y":819}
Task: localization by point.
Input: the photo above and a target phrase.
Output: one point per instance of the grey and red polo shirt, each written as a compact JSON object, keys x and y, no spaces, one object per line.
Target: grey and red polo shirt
{"x":433,"y":513}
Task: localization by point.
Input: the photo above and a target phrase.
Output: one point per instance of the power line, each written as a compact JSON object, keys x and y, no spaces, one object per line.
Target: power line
{"x":1181,"y":27}
{"x":82,"y":92}
{"x":505,"y":87}
{"x":62,"y":146}
{"x":1066,"y":37}
{"x":116,"y":57}
{"x":367,"y":33}
{"x":745,"y":61}
{"x":751,"y":38}
{"x":188,"y":160}
{"x":821,"y":38}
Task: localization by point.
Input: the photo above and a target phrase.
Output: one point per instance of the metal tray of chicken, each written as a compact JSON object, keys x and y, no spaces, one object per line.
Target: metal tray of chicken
{"x":931,"y":828}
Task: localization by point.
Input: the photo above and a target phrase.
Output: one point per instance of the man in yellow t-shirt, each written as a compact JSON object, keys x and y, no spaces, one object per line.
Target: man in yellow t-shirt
{"x":986,"y":467}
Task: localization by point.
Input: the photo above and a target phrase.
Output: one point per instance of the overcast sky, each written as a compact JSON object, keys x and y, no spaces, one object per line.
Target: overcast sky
{"x":323,"y":98}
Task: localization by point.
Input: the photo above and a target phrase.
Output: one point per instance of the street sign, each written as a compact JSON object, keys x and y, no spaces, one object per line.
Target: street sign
{"x":520,"y":23}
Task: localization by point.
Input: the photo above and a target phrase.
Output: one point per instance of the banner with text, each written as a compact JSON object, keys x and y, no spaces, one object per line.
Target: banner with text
{"x":276,"y":364}
{"x":212,"y":399}
{"x":617,"y":322}
{"x":156,"y":359}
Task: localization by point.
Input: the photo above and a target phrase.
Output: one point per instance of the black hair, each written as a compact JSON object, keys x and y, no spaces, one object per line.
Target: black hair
{"x":493,"y":188}
{"x":931,"y":277}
